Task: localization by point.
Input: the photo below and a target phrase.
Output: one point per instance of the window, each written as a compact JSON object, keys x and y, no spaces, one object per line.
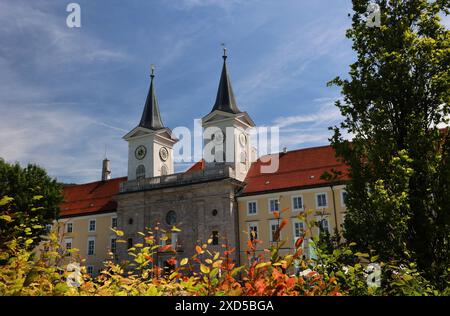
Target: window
{"x":299,"y":229}
{"x":92,"y":225}
{"x":164,"y":170}
{"x":309,"y":249}
{"x":114,"y":222}
{"x":297,"y":203}
{"x":321,"y":200}
{"x":91,"y":246}
{"x":251,"y":208}
{"x":274,"y":205}
{"x":324,"y":225}
{"x":113,"y":245}
{"x":69,"y":227}
{"x":68,"y":243}
{"x":273,"y":227}
{"x":215,"y":237}
{"x":243,"y":157}
{"x":344,"y":198}
{"x":90,"y":269}
{"x":130,"y":221}
{"x":252,"y":231}
{"x":130,"y":243}
{"x":140,"y":172}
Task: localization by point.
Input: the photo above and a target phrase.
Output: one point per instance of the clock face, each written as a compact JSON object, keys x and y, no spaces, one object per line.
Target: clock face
{"x":242,"y":139}
{"x":218,"y":137}
{"x":163,"y":153}
{"x":140,"y":152}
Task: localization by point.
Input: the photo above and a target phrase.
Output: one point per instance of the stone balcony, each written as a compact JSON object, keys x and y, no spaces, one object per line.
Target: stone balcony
{"x":217,"y":172}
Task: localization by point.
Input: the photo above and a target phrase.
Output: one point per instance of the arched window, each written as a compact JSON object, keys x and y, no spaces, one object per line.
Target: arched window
{"x":140,"y":172}
{"x":243,"y":157}
{"x":164,"y":170}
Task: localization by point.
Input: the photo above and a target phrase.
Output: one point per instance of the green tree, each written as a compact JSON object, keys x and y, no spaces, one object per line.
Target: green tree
{"x":35,"y":199}
{"x":397,"y":92}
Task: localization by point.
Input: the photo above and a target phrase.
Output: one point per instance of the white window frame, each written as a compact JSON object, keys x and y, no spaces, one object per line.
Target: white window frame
{"x":273,"y":222}
{"x":248,"y":208}
{"x":252,"y":224}
{"x":67,"y":227}
{"x":317,"y":201}
{"x":292,"y":202}
{"x":68,"y":241}
{"x":88,"y":241}
{"x":294,"y":221}
{"x":278,"y":203}
{"x":89,"y":225}
{"x":323,"y":217}
{"x":342,"y":198}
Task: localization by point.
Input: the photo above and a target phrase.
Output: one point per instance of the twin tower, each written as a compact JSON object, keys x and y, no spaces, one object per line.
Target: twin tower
{"x":226,"y":139}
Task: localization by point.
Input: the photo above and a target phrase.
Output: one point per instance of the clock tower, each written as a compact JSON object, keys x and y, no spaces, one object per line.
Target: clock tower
{"x":226,"y":130}
{"x":150,"y":144}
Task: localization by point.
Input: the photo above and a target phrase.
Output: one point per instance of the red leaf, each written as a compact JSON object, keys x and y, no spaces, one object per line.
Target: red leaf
{"x":299,"y":242}
{"x":165,"y":248}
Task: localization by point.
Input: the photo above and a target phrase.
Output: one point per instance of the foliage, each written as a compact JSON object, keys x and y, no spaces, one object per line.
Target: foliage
{"x":36,"y":199}
{"x":397,"y":94}
{"x":26,"y":271}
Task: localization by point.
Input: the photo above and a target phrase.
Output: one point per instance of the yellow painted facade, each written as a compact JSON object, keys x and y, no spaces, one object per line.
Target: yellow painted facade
{"x":255,"y":211}
{"x":91,"y":235}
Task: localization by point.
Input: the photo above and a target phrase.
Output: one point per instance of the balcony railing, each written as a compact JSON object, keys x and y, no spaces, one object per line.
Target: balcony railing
{"x":184,"y":178}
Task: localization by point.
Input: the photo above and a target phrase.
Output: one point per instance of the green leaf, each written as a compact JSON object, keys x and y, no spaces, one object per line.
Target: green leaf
{"x":204,"y":269}
{"x":184,"y":261}
{"x":5,"y":200}
{"x":6,"y":218}
{"x":262,"y":265}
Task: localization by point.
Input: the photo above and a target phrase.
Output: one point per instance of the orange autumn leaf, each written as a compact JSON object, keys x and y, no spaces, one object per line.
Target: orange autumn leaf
{"x":199,"y":249}
{"x":165,"y":248}
{"x":283,"y":223}
{"x":276,"y":214}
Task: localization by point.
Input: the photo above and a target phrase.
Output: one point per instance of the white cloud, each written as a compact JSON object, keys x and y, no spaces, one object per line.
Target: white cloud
{"x":284,"y":64}
{"x":32,"y":32}
{"x":311,"y":128}
{"x":49,"y":137}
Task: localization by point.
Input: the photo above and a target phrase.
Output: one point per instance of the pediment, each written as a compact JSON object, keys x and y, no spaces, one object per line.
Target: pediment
{"x":138,"y":132}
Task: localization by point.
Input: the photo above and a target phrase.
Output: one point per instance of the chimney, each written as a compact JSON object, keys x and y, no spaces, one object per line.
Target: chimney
{"x":106,"y":171}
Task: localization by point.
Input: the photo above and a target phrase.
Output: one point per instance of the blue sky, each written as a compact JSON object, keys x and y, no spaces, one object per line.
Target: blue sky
{"x":66,"y":93}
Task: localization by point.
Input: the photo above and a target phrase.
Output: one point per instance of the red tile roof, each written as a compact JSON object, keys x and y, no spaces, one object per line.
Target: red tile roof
{"x":199,"y":165}
{"x":298,"y":168}
{"x":90,"y":198}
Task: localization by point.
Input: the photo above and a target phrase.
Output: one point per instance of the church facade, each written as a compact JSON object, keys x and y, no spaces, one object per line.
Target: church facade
{"x":221,"y":198}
